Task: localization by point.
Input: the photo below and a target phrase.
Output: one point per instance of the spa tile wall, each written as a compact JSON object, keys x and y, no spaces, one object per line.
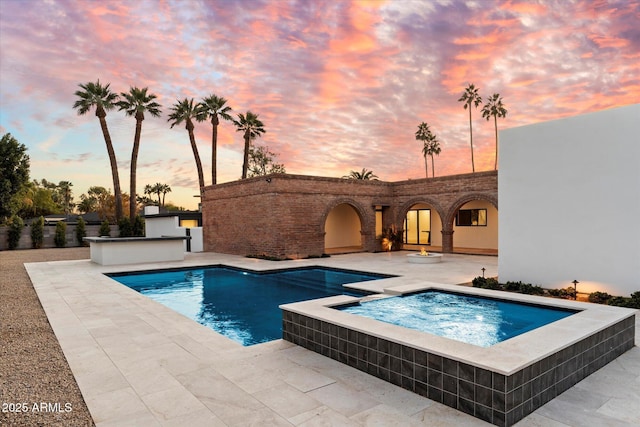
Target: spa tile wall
{"x":491,"y":396}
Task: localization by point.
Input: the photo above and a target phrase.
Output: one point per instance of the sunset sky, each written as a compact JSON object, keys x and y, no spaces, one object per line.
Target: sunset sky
{"x":339,"y":85}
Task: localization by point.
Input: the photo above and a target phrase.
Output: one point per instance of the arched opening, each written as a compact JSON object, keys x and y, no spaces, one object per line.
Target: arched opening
{"x":475,"y":227}
{"x":422,"y":226}
{"x":343,"y":230}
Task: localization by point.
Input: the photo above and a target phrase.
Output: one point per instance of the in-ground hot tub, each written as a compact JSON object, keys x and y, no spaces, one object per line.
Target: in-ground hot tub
{"x":501,"y":383}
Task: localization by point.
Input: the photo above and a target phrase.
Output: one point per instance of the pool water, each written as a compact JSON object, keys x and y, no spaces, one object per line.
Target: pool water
{"x":474,"y":320}
{"x":242,"y":305}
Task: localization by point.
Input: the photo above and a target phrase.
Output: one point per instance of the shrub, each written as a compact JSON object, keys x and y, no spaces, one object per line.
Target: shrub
{"x":566,"y":293}
{"x":633,"y":302}
{"x":15,"y":230}
{"x":124,"y":225}
{"x":486,"y":283}
{"x":138,"y":226}
{"x":37,"y":233}
{"x":60,"y":239}
{"x":105,"y":229}
{"x":513,"y":286}
{"x":392,"y":238}
{"x":81,"y":232}
{"x":529,"y":289}
{"x":599,"y":297}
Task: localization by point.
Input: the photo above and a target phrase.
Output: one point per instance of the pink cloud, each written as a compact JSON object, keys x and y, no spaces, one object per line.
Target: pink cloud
{"x":339,"y":85}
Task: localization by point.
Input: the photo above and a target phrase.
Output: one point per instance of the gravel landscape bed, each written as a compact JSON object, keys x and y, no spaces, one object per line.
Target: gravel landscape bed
{"x":37,"y":387}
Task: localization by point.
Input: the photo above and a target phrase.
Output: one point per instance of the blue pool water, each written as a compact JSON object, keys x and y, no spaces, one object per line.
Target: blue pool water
{"x":242,"y":305}
{"x":474,"y":320}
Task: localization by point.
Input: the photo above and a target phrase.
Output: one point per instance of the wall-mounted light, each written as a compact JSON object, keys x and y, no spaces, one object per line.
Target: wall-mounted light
{"x":268,"y":180}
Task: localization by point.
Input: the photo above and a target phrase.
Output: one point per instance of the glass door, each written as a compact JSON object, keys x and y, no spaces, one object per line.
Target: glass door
{"x":417,"y":227}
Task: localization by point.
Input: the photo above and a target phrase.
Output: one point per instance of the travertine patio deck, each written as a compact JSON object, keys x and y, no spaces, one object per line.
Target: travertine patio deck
{"x":140,"y":363}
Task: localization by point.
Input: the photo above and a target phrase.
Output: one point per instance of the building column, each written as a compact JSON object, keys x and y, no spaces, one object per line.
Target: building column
{"x":447,"y":241}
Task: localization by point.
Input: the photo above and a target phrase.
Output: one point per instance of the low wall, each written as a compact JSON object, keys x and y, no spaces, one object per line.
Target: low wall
{"x":135,"y":250}
{"x":49,"y":234}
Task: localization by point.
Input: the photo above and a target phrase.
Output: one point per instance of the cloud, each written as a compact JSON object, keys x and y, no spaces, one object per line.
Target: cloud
{"x":339,"y":85}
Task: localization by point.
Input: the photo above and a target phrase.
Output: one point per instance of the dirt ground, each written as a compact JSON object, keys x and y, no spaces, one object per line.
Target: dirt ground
{"x":37,"y":387}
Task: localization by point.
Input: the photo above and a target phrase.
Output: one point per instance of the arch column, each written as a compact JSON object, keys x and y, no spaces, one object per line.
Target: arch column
{"x":447,"y":241}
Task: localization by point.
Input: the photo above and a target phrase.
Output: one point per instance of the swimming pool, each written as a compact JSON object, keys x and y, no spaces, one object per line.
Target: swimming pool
{"x":240,"y":304}
{"x":474,"y":320}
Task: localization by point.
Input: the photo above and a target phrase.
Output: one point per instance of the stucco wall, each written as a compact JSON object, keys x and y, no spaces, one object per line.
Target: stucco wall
{"x":342,"y":227}
{"x":485,"y":237}
{"x":569,"y":194}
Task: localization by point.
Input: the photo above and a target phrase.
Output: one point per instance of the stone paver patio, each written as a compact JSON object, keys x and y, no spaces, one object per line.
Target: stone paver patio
{"x":139,"y":363}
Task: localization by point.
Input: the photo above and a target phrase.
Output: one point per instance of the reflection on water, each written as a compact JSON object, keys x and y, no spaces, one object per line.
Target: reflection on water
{"x":239,"y":304}
{"x":479,"y":321}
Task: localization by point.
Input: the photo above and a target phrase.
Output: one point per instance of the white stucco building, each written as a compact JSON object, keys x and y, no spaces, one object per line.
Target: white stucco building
{"x":569,"y":194}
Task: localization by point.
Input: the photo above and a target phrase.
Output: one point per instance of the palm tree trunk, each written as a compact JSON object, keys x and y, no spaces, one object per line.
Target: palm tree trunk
{"x":134,"y":165}
{"x":114,"y":166}
{"x":194,"y":147}
{"x":473,"y":167}
{"x":433,"y":168}
{"x":245,"y":163}
{"x":495,"y":121}
{"x":214,"y":149}
{"x":426,"y":168}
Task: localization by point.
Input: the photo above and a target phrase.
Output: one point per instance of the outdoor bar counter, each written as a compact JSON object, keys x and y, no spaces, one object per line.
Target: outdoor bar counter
{"x":134,"y":250}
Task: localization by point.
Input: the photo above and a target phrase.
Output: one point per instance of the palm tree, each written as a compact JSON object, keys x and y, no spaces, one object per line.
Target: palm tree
{"x":135,"y":103}
{"x":158,"y":189}
{"x":213,"y":107}
{"x":101,"y":97}
{"x":164,"y":189}
{"x":64,"y":188}
{"x":422,"y":134}
{"x":185,"y":111}
{"x":471,"y":96}
{"x":151,"y":189}
{"x":432,"y":148}
{"x":252,"y":128}
{"x":365,"y":175}
{"x":495,"y":108}
{"x":87,"y":204}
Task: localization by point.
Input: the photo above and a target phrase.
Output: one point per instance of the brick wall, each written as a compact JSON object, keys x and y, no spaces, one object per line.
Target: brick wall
{"x":284,"y":215}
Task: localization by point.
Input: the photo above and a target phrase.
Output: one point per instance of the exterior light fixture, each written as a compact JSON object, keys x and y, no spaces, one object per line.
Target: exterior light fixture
{"x":483,"y":269}
{"x":268,"y":180}
{"x":575,"y":289}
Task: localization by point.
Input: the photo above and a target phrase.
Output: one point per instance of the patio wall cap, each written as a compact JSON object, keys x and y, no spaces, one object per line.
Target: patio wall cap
{"x":132,"y":239}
